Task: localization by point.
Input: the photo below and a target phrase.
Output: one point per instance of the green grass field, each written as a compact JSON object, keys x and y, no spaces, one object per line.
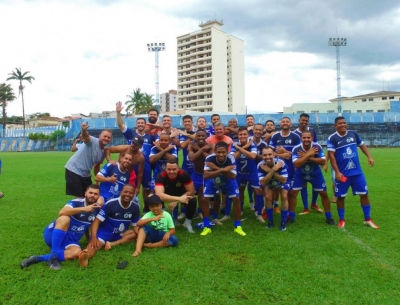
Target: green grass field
{"x":310,"y":263}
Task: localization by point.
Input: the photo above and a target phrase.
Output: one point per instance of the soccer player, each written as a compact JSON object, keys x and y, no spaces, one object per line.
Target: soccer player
{"x":250,"y":123}
{"x":307,"y":158}
{"x":272,"y":173}
{"x":153,"y":127}
{"x":64,"y":233}
{"x":185,"y":137}
{"x":148,"y":140}
{"x":232,"y":130}
{"x":75,"y":146}
{"x":245,"y":153}
{"x":269,"y":130}
{"x":214,"y":119}
{"x":90,"y":154}
{"x":198,"y":152}
{"x":113,"y":177}
{"x":138,"y":160}
{"x":303,"y":126}
{"x":342,"y":150}
{"x":156,"y":227}
{"x":219,"y":136}
{"x":175,"y":186}
{"x":111,"y":226}
{"x":220,"y":174}
{"x":283,"y":142}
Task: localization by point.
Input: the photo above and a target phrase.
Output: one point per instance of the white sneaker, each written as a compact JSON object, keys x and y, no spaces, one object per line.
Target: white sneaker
{"x":181,"y":216}
{"x":252,"y":206}
{"x":217,"y":222}
{"x":225,"y":218}
{"x":188,"y":227}
{"x":260,"y":218}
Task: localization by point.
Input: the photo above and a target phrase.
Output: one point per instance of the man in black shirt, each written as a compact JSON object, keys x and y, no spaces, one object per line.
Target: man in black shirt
{"x":175,"y":185}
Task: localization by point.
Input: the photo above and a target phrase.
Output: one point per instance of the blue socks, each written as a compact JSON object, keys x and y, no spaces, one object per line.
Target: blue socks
{"x":328,"y":215}
{"x":56,"y":240}
{"x":44,"y":258}
{"x":292,"y":215}
{"x":284,"y":214}
{"x":259,"y":204}
{"x":367,"y":211}
{"x":270,"y":213}
{"x":206,"y":222}
{"x":341,"y":213}
{"x":304,"y":196}
{"x":237,"y":223}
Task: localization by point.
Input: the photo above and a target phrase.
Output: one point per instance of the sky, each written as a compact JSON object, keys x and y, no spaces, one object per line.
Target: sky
{"x":88,"y":55}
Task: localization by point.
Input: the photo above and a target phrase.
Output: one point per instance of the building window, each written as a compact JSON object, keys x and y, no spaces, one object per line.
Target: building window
{"x":300,"y":111}
{"x":314,"y":111}
{"x":364,"y":100}
{"x":381,"y":110}
{"x":331,"y":111}
{"x":369,"y":111}
{"x":391,"y":97}
{"x":384,"y":98}
{"x":346,"y":111}
{"x":359,"y":111}
{"x":370,"y":99}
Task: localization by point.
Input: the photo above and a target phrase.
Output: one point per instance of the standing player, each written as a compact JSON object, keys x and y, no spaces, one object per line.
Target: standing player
{"x":303,"y":126}
{"x":219,"y":136}
{"x":184,"y":140}
{"x":307,"y":159}
{"x":272,"y":173}
{"x":342,"y":150}
{"x":232,"y":130}
{"x":245,"y":153}
{"x":175,"y":186}
{"x":220,"y":173}
{"x":214,"y":119}
{"x":111,"y":226}
{"x":112,"y":177}
{"x":283,"y":142}
{"x":90,"y":154}
{"x":250,"y":123}
{"x":148,"y":140}
{"x":198,"y":152}
{"x":63,"y":234}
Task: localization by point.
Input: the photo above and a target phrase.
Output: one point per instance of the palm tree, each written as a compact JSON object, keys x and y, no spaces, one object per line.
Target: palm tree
{"x":135,"y":101}
{"x":18,"y":75}
{"x":148,"y":102}
{"x":6,"y":96}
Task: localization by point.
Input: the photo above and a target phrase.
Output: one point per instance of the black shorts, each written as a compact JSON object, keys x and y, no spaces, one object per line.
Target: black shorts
{"x":76,"y":185}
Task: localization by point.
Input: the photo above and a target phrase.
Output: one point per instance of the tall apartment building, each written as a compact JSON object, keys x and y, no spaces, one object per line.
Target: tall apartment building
{"x":168,"y":101}
{"x":210,"y":70}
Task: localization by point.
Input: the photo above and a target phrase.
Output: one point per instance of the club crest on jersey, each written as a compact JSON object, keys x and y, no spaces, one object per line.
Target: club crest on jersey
{"x":350,"y":140}
{"x":128,"y":215}
{"x":178,"y":184}
{"x":288,"y":141}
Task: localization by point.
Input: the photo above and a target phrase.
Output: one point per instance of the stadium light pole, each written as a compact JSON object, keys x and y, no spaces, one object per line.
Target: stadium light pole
{"x":338,"y":42}
{"x":156,"y":47}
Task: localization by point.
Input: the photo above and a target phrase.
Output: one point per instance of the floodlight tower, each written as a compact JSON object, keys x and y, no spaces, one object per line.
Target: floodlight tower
{"x":156,"y":47}
{"x":338,"y":42}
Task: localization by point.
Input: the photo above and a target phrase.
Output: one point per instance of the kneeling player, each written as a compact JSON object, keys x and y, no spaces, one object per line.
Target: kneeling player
{"x":307,"y":158}
{"x":156,"y":227}
{"x":272,"y":173}
{"x":63,"y":234}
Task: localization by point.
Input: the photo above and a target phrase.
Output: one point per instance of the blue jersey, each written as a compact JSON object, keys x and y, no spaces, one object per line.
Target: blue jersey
{"x":234,"y":137}
{"x":345,"y":149}
{"x":221,"y":180}
{"x":273,"y":183}
{"x":310,"y":129}
{"x":162,"y":162}
{"x":309,"y":169}
{"x":111,"y":190}
{"x":115,"y":219}
{"x":148,"y":140}
{"x":244,"y":164}
{"x":210,"y":130}
{"x":186,"y":164}
{"x":80,"y":222}
{"x":287,"y":142}
{"x":260,"y":146}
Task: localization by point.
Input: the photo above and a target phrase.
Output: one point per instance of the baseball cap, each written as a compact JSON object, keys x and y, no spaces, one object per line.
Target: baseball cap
{"x":138,"y":140}
{"x":153,"y":200}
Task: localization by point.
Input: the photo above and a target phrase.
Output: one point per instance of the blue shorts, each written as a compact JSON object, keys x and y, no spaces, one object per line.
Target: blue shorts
{"x":251,"y":178}
{"x":229,"y":189}
{"x":358,"y":185}
{"x":198,"y":181}
{"x":146,"y":181}
{"x":187,"y":166}
{"x":68,"y":241}
{"x":317,"y":181}
{"x":154,"y":236}
{"x":104,"y":236}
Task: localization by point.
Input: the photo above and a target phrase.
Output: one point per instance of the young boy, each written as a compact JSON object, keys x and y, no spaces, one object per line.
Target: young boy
{"x":156,"y":227}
